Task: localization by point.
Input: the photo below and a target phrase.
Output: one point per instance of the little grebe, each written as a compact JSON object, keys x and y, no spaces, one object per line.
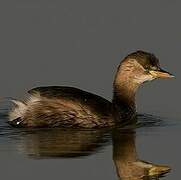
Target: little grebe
{"x":58,"y":106}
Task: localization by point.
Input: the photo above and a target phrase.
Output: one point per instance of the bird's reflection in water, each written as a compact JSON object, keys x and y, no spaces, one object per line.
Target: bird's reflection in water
{"x":128,"y":165}
{"x":74,"y":143}
{"x":61,"y":143}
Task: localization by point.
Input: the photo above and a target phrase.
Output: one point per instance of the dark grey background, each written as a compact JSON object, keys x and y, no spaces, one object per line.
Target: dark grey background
{"x":80,"y":43}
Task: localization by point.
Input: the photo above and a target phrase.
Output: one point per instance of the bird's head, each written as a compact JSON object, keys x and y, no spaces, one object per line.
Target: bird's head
{"x":139,"y":67}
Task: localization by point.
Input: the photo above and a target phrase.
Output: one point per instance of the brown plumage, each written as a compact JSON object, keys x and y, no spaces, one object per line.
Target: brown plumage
{"x":71,"y":107}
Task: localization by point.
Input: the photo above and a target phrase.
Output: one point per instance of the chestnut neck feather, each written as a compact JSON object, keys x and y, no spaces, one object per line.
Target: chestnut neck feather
{"x":124,"y":99}
{"x":125,"y":92}
{"x":125,"y":89}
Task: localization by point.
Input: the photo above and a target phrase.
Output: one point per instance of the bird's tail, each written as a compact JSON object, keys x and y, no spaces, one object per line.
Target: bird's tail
{"x":18,"y":110}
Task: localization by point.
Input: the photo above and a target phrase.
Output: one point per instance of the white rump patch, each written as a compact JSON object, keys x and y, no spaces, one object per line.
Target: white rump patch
{"x":20,"y":107}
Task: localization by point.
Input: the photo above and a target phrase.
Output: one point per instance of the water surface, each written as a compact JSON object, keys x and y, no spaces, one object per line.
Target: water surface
{"x":89,"y":154}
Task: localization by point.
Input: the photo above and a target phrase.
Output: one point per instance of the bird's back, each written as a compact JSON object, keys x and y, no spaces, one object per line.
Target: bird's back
{"x":66,"y":107}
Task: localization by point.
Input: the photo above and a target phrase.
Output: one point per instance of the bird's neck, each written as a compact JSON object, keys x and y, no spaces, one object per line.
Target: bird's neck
{"x":124,"y":99}
{"x":125,"y":93}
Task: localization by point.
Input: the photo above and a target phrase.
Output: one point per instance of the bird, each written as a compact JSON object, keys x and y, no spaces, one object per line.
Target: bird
{"x":70,"y":107}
